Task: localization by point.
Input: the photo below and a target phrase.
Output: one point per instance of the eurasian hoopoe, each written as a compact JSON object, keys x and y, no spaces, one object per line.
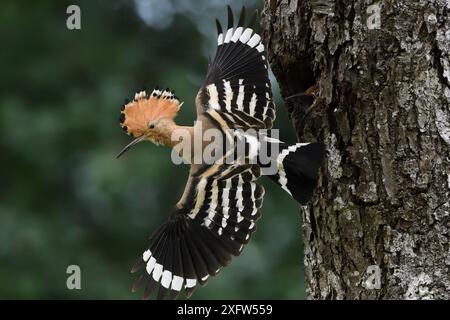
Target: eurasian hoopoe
{"x":216,"y":214}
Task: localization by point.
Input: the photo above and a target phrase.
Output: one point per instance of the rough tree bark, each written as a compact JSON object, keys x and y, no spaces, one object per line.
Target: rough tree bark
{"x":382,"y":108}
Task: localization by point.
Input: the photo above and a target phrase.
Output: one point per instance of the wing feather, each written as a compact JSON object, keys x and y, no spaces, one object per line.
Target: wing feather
{"x":202,"y":236}
{"x":237,"y":78}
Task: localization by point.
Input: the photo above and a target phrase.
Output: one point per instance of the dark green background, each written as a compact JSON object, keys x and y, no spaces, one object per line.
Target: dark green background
{"x":64,"y":198}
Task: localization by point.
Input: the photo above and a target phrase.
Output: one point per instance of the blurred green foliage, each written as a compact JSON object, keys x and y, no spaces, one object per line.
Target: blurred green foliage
{"x":64,"y":198}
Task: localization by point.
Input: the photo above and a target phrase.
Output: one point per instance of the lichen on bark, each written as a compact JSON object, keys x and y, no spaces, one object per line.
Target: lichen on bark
{"x":383,"y":110}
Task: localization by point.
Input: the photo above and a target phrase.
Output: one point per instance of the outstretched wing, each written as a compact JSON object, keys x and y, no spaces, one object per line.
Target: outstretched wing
{"x":237,"y":85}
{"x":212,"y":223}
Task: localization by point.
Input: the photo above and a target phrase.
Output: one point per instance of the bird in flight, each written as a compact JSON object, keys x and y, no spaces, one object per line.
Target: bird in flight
{"x":216,"y":215}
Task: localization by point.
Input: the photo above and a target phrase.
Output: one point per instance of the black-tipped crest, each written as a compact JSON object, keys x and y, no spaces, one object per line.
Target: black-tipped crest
{"x":136,"y":115}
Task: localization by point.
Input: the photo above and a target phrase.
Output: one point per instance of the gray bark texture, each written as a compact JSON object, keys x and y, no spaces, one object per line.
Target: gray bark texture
{"x":382,"y":107}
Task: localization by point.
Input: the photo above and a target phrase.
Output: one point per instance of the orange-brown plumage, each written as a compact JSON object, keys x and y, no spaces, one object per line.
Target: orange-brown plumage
{"x":138,"y":115}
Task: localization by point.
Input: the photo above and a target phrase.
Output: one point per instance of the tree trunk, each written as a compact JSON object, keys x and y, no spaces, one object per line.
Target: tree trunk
{"x":378,"y":225}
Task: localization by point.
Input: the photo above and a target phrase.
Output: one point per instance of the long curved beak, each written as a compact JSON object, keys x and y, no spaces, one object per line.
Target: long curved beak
{"x":132,"y":143}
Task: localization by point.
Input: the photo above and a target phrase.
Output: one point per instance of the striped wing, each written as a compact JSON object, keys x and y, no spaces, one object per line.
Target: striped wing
{"x":213,"y":223}
{"x":237,"y":85}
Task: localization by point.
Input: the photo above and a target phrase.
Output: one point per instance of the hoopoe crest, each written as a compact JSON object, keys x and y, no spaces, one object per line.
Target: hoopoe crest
{"x":150,"y":115}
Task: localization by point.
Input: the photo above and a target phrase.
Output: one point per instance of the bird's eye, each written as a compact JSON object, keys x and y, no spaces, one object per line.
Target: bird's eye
{"x":152,"y":126}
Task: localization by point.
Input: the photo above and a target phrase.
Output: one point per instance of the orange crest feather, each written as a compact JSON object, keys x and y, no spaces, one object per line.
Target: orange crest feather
{"x":137,"y":114}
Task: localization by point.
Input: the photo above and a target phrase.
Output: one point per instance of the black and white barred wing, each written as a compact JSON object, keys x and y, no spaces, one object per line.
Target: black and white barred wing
{"x":237,"y":85}
{"x":213,"y":223}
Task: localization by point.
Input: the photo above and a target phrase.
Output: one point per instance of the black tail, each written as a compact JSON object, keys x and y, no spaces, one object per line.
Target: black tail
{"x":298,"y":169}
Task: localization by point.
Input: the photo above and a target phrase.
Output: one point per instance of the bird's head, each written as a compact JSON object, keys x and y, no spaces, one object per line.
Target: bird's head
{"x":149,"y":117}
